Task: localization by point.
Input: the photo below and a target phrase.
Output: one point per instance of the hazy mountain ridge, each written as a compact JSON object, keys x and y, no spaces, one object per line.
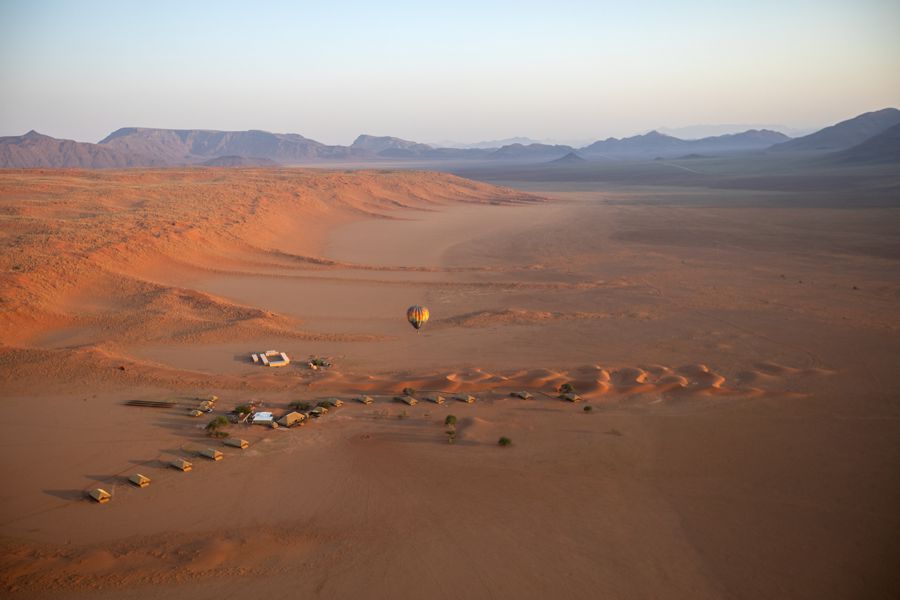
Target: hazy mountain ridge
{"x":35,"y":150}
{"x":881,"y":148}
{"x":844,"y":134}
{"x":181,"y":146}
{"x":655,"y":144}
{"x":150,"y":147}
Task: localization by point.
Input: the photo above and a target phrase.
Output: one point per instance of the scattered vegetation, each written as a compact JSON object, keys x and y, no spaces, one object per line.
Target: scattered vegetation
{"x":317,"y":362}
{"x":300,"y":405}
{"x":214,"y":427}
{"x":504,"y":441}
{"x":567,"y":388}
{"x":242,"y":409}
{"x":588,"y":408}
{"x":450,"y":424}
{"x":408,"y":391}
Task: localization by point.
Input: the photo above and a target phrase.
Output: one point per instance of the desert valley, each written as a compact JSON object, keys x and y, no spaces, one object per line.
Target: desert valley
{"x":734,"y":346}
{"x":490,"y":300}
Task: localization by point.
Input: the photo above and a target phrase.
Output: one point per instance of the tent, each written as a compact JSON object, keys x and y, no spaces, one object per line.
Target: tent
{"x":212,"y":454}
{"x":100,"y":495}
{"x":181,"y":465}
{"x":236,"y":443}
{"x":139,"y":480}
{"x":291,"y":419}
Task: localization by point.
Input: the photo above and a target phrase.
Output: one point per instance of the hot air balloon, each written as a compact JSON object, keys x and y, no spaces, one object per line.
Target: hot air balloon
{"x":417,"y":316}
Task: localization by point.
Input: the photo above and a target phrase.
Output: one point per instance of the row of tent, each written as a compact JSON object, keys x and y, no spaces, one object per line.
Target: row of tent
{"x":102,"y":496}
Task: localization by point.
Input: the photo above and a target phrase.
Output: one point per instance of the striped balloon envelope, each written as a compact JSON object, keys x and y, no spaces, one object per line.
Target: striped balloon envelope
{"x":417,"y":316}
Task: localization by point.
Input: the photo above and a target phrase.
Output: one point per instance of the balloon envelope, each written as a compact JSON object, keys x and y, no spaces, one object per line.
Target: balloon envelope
{"x":417,"y":315}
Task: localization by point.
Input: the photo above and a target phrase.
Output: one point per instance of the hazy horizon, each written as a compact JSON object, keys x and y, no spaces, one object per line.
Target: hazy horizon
{"x":474,"y":72}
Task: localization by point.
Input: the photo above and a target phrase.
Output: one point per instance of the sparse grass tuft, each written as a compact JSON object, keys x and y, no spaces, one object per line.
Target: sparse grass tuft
{"x":504,"y":441}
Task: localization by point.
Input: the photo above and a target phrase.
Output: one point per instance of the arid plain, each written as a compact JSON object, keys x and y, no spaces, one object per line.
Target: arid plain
{"x":738,"y":350}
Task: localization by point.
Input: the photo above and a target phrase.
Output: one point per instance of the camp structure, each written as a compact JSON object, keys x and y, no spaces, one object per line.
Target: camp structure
{"x":365,"y":399}
{"x":318,"y":411}
{"x":100,"y":495}
{"x":211,"y":453}
{"x":464,"y":398}
{"x":271,"y":358}
{"x":194,"y":412}
{"x":181,"y":465}
{"x":291,"y":419}
{"x":522,"y":394}
{"x":571,"y":397}
{"x":263,"y":418}
{"x":236,"y":443}
{"x":331,"y":402}
{"x":406,"y":400}
{"x":139,"y":480}
{"x":436,"y":398}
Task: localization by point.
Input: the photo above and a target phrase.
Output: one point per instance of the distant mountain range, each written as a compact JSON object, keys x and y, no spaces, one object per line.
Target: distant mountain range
{"x":666,"y":146}
{"x":844,"y":134}
{"x":34,"y":150}
{"x":881,"y":148}
{"x":145,"y":147}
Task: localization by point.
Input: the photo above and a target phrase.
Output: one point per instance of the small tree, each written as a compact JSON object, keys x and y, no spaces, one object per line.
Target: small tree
{"x":504,"y":441}
{"x":450,"y":424}
{"x":567,"y":388}
{"x":213,"y":428}
{"x":588,"y":408}
{"x":242,"y":409}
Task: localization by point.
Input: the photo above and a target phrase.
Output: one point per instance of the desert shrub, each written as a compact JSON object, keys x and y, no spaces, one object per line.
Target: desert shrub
{"x":588,"y":408}
{"x":504,"y":441}
{"x":242,"y":409}
{"x":450,"y":421}
{"x":408,"y":391}
{"x":567,"y":388}
{"x":300,"y":405}
{"x":213,"y":427}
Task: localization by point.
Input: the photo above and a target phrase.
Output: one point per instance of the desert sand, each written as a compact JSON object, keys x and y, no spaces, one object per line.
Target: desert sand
{"x":739,"y":361}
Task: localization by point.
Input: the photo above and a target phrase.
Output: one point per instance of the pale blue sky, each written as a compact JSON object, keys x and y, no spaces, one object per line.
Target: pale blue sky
{"x":432,"y":71}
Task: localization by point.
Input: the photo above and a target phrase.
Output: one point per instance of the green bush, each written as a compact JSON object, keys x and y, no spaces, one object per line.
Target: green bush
{"x":504,"y":441}
{"x":588,"y":408}
{"x":567,"y":388}
{"x":300,"y":405}
{"x":408,"y":391}
{"x":450,"y":421}
{"x":242,"y":409}
{"x":212,"y":428}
